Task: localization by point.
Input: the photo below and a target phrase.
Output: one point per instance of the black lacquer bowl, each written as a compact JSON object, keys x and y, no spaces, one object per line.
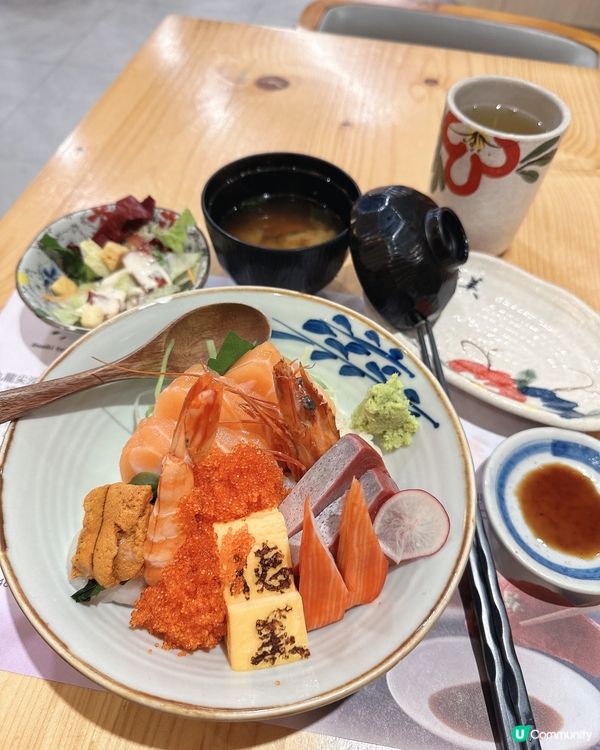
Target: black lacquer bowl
{"x":406,"y":251}
{"x":305,"y":269}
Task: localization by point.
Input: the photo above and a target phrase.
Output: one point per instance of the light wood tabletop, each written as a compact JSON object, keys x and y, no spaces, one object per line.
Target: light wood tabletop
{"x":199,"y":94}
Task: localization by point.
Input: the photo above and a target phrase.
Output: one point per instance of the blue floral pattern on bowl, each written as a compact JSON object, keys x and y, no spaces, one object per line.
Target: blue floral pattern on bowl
{"x":362,"y":357}
{"x":36,"y":271}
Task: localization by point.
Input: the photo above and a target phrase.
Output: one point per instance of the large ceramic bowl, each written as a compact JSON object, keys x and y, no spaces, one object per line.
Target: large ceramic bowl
{"x":53,"y":457}
{"x":37,"y":271}
{"x":290,"y":176}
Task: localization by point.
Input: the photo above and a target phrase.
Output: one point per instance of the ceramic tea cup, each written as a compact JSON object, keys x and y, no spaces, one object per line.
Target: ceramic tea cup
{"x":497,"y":139}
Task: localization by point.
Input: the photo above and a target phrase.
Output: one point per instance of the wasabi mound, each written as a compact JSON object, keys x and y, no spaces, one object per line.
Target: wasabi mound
{"x":384,"y":413}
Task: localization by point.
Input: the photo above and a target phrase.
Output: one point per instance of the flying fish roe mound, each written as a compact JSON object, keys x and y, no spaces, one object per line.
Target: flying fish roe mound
{"x":186,"y":607}
{"x":228,"y":486}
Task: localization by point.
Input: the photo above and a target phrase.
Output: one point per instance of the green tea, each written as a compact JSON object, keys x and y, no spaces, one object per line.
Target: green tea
{"x":504,"y":119}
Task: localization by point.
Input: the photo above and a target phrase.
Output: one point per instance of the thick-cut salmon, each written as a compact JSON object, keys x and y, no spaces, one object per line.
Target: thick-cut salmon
{"x":360,"y":558}
{"x":146,"y":448}
{"x":254,"y":371}
{"x":323,"y":591}
{"x":150,"y":442}
{"x":170,"y":400}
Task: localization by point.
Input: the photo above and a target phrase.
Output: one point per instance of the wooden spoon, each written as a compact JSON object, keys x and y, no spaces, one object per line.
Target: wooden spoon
{"x":190,"y":333}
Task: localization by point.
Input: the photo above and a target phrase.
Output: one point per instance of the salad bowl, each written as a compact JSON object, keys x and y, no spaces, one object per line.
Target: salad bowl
{"x":39,"y":267}
{"x":347,"y":353}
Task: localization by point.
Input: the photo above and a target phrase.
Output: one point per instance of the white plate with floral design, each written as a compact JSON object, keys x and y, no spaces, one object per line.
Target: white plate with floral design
{"x":54,"y":456}
{"x":522,"y":345}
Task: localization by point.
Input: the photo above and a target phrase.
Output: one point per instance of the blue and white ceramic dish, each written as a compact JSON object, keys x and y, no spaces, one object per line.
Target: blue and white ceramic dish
{"x":36,"y":271}
{"x":576,"y":578}
{"x":41,"y":511}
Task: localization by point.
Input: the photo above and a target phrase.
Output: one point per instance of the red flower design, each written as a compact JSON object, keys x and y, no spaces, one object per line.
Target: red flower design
{"x":499,"y":381}
{"x":474,"y":141}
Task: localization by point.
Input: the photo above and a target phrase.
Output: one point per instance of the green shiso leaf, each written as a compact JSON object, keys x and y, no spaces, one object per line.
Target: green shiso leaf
{"x":232,"y":348}
{"x":147,"y":477}
{"x":91,"y":588}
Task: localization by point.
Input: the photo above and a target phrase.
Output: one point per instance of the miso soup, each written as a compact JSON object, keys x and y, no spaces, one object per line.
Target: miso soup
{"x":282,"y":222}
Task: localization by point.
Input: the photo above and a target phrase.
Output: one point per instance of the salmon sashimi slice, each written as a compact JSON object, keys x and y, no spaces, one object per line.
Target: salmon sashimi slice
{"x":150,"y":442}
{"x":322,"y":588}
{"x":359,"y":557}
{"x":254,"y":371}
{"x":170,"y":400}
{"x":146,"y":448}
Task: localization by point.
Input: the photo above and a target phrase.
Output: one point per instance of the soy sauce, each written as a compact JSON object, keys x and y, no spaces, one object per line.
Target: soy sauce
{"x":562,"y":508}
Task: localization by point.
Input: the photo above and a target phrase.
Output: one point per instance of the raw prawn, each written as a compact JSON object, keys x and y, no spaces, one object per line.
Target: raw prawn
{"x":150,"y":442}
{"x":308,"y":416}
{"x":192,"y":439}
{"x":198,"y":430}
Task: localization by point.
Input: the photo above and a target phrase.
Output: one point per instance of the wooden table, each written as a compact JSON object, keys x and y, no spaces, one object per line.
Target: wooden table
{"x":199,"y":94}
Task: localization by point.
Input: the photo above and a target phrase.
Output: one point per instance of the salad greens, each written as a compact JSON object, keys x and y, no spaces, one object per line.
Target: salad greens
{"x":131,"y":258}
{"x":68,"y":259}
{"x":174,"y":238}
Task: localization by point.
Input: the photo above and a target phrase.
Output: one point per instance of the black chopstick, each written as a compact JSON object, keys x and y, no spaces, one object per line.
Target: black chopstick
{"x":509,"y":692}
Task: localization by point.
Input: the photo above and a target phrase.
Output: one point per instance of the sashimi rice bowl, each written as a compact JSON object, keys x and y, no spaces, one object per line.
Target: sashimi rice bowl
{"x":277,"y":508}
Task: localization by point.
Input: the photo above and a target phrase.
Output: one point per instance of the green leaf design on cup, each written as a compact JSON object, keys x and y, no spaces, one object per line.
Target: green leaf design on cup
{"x":539,"y":157}
{"x":528,"y":175}
{"x":541,"y":161}
{"x":541,"y":149}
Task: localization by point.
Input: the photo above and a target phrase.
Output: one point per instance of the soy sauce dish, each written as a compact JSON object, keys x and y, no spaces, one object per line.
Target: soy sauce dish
{"x":541,"y":490}
{"x":280,"y":219}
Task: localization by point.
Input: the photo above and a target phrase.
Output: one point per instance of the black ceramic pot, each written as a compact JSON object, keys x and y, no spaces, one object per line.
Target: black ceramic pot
{"x":406,"y":252}
{"x":306,"y":269}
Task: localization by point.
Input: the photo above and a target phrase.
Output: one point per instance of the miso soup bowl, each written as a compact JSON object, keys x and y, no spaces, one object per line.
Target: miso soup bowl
{"x":304,"y":269}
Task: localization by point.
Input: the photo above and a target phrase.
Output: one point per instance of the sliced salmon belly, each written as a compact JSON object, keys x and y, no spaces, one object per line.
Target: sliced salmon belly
{"x":145,"y":449}
{"x":360,"y":558}
{"x":170,"y":400}
{"x":254,"y":371}
{"x":322,"y":588}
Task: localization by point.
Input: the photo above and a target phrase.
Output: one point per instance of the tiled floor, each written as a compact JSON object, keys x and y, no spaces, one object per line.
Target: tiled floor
{"x":58,"y":56}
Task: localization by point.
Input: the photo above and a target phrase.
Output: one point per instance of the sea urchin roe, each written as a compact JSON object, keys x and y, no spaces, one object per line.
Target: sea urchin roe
{"x":186,"y":607}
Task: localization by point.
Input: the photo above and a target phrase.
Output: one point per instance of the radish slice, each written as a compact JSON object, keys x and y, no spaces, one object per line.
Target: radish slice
{"x":411,"y":524}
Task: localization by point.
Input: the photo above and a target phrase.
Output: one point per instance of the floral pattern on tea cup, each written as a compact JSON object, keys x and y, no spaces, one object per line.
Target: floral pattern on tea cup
{"x":489,"y":177}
